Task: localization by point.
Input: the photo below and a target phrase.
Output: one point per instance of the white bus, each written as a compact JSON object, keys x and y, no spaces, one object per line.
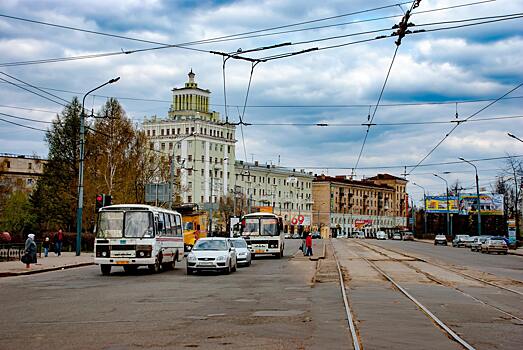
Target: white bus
{"x":133,"y":235}
{"x":263,"y":233}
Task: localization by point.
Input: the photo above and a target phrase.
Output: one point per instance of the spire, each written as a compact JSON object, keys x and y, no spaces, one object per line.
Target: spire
{"x":191,"y":76}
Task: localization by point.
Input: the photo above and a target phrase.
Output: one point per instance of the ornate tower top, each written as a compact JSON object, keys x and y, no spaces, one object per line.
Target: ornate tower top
{"x":191,"y":83}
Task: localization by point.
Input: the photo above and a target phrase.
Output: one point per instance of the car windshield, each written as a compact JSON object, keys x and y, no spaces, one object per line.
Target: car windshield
{"x":210,"y":245}
{"x":239,"y":243}
{"x":497,"y":240}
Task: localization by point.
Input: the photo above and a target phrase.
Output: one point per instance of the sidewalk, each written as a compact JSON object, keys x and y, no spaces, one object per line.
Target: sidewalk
{"x":318,"y":251}
{"x":66,"y":261}
{"x":518,"y":251}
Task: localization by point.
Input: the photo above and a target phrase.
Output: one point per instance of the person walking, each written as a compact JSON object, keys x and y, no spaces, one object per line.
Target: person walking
{"x":304,"y":235}
{"x":59,"y":237}
{"x":46,"y":245}
{"x":308,"y":244}
{"x":30,"y":250}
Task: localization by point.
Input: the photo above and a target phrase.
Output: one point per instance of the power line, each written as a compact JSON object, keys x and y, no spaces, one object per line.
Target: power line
{"x":21,"y":125}
{"x":28,"y":119}
{"x":458,"y":124}
{"x":29,"y":109}
{"x":33,"y":92}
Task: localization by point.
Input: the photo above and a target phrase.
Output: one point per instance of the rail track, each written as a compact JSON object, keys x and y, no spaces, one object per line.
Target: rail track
{"x":357,"y":343}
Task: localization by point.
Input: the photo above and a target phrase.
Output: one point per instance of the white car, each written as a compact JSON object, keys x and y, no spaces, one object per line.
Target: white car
{"x":440,"y":239}
{"x":381,"y":235}
{"x":359,"y":234}
{"x":243,"y":254}
{"x":212,"y":254}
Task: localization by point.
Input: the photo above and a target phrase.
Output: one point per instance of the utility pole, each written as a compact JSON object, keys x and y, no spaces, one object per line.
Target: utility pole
{"x":80,"y":208}
{"x":448,"y":207}
{"x":478,"y":199}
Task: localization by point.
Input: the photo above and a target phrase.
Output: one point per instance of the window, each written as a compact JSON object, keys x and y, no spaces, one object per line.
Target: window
{"x":154,"y":132}
{"x":202,"y":172}
{"x":189,"y":172}
{"x":192,"y":129}
{"x":189,"y":158}
{"x":178,"y":131}
{"x":168,"y":231}
{"x":148,"y":132}
{"x":29,"y":165}
{"x":163,"y":146}
{"x":161,"y":132}
{"x":172,"y":131}
{"x":228,"y":149}
{"x":151,"y":147}
{"x":203,"y":158}
{"x":189,"y":199}
{"x":186,"y":130}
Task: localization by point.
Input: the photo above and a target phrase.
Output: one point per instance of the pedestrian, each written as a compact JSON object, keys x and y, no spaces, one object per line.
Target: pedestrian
{"x":304,"y":235}
{"x":308,"y":244}
{"x":29,"y":251}
{"x":59,"y":237}
{"x":46,"y":245}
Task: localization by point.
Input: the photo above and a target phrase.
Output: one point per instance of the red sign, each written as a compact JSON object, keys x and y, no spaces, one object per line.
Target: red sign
{"x":298,"y":220}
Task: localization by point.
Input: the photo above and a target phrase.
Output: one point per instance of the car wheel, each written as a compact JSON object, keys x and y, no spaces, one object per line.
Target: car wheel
{"x":190,"y":271}
{"x":249,"y":263}
{"x":106,"y":269}
{"x":228,"y":270}
{"x":154,"y":268}
{"x":234,"y":267}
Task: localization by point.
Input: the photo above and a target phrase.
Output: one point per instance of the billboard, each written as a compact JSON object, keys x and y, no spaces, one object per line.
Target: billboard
{"x":491,"y":204}
{"x":438,"y":204}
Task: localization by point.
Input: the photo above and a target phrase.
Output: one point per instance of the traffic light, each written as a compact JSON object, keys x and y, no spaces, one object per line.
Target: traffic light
{"x":99,"y":201}
{"x":103,"y":200}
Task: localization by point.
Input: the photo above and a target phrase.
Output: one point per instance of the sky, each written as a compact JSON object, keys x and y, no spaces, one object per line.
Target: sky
{"x":337,"y":84}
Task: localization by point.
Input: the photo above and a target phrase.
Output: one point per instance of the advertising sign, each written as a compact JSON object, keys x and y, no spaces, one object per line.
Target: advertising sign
{"x":438,"y":204}
{"x":361,"y":223}
{"x":491,"y":204}
{"x":301,"y":220}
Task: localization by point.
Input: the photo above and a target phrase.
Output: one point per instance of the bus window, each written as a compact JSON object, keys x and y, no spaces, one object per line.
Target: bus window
{"x":179,"y":231}
{"x":138,"y":224}
{"x":269,"y":227}
{"x":161,"y":225}
{"x":168,"y":225}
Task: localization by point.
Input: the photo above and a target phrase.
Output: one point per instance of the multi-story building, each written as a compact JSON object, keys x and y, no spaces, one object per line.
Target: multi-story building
{"x":201,"y":144}
{"x":20,"y":172}
{"x":372,"y":204}
{"x":287,"y":191}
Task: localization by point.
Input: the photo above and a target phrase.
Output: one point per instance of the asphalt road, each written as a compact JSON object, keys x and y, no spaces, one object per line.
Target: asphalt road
{"x":270,"y":305}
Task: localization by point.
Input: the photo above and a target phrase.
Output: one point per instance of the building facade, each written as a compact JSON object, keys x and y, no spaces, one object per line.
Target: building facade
{"x":20,"y":172}
{"x":369,"y":205}
{"x":288,"y":192}
{"x":200,"y":143}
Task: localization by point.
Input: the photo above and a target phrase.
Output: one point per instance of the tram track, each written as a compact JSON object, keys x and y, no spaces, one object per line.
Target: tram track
{"x":440,"y":282}
{"x":357,"y":342}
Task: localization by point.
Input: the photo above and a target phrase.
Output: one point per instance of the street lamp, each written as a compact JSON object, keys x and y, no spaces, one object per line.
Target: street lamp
{"x":211,"y":199}
{"x":448,"y":207}
{"x":79,"y":212}
{"x":477,"y":194}
{"x":425,"y":206}
{"x":514,"y":137}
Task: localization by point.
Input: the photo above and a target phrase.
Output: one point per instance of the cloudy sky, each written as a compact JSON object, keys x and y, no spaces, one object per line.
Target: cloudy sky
{"x":333,"y":85}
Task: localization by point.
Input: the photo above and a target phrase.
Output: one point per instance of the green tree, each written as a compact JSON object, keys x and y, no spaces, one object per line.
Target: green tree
{"x":17,"y":215}
{"x":54,"y":199}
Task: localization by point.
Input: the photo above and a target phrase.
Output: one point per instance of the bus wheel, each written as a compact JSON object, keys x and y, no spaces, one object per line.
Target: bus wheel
{"x":169,"y":265}
{"x":154,"y":268}
{"x":106,"y":269}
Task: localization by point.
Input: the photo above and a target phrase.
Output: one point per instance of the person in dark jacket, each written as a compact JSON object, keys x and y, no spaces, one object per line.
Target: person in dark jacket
{"x":46,"y":244}
{"x":30,"y":250}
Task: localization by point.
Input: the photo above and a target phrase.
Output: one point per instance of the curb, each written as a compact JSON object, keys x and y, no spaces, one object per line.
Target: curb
{"x":509,"y":252}
{"x":32,"y":272}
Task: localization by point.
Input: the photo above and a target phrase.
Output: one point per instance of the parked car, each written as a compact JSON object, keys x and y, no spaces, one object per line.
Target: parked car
{"x":381,"y":235}
{"x":359,"y":234}
{"x":243,"y":254}
{"x":494,"y":244}
{"x":440,"y":239}
{"x":461,"y":241}
{"x":316,"y":235}
{"x":477,"y":241}
{"x":287,"y":236}
{"x":296,"y":236}
{"x":396,"y":236}
{"x":212,"y":254}
{"x":408,"y":236}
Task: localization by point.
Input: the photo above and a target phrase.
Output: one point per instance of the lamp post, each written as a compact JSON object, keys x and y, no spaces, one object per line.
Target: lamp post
{"x":424,"y":206}
{"x":211,"y":199}
{"x":448,"y":208}
{"x":477,"y":195}
{"x":79,"y":212}
{"x":171,"y":185}
{"x":514,"y":137}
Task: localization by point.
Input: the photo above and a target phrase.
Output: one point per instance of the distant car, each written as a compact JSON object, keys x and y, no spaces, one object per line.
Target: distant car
{"x":440,"y":239}
{"x":381,"y":235}
{"x":408,"y":236}
{"x":359,"y":234}
{"x":212,"y":254}
{"x":287,"y":236}
{"x":461,"y":241}
{"x":243,"y":254}
{"x":396,"y":236}
{"x":494,"y":244}
{"x":296,"y":236}
{"x":477,"y":241}
{"x":316,"y":235}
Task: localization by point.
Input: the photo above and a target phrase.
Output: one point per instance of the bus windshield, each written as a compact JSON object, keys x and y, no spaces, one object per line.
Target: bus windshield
{"x":269,"y":227}
{"x":260,"y":227}
{"x":251,"y":227}
{"x":138,"y":224}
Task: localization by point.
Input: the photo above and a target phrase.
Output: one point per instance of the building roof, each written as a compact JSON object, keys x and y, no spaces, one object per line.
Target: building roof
{"x":344,"y":180}
{"x":386,"y":177}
